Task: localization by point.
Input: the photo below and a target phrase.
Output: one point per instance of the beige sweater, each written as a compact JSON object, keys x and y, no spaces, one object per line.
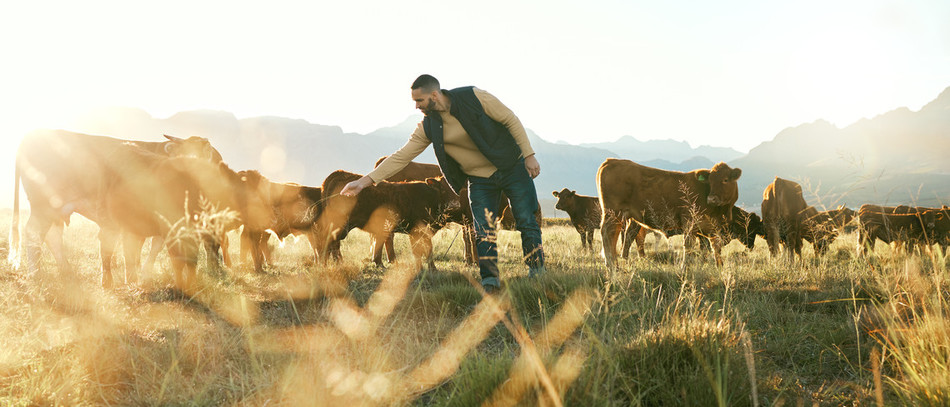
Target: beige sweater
{"x":458,"y":144}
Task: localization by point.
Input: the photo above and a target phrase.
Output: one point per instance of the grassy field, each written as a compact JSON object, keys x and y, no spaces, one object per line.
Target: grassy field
{"x":835,"y":330}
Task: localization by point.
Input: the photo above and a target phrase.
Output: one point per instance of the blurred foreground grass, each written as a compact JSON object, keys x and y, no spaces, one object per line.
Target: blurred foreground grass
{"x":834,"y":330}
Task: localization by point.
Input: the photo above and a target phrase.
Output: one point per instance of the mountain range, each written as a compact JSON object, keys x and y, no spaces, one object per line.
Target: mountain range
{"x":899,"y":157}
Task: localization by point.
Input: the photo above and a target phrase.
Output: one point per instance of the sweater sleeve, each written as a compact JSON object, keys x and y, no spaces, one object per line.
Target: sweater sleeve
{"x":417,"y":143}
{"x":502,"y":114}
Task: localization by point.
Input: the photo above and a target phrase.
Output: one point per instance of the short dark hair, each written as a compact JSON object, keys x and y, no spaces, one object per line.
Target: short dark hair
{"x":427,"y":83}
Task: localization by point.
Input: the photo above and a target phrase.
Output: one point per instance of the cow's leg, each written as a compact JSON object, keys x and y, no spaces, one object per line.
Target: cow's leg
{"x":247,"y":245}
{"x":376,"y":250}
{"x":421,"y":241}
{"x":717,"y":250}
{"x":257,"y":254}
{"x":132,"y":250}
{"x":184,"y":258}
{"x":630,"y":229}
{"x":225,"y":248}
{"x":641,"y":238}
{"x":772,"y":238}
{"x":610,"y":229}
{"x":34,"y":233}
{"x":157,"y":242}
{"x":108,"y":238}
{"x":312,"y":238}
{"x":468,"y":236}
{"x":390,"y":249}
{"x":54,"y":240}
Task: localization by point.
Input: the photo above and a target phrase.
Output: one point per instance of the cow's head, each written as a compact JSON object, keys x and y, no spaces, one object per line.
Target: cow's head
{"x":198,"y":147}
{"x":448,"y":200}
{"x":928,"y":219}
{"x":753,"y":227}
{"x":565,"y":199}
{"x":843,"y":215}
{"x":723,"y":184}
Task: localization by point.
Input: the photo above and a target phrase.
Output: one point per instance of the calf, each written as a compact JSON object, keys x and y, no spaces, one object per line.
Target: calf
{"x":584,"y":212}
{"x":415,"y":207}
{"x":459,"y":211}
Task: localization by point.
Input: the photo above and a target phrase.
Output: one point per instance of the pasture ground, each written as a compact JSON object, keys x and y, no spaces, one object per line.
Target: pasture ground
{"x":835,"y":330}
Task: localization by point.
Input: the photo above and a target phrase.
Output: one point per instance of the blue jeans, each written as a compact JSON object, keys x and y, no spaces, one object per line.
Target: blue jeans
{"x":486,"y":194}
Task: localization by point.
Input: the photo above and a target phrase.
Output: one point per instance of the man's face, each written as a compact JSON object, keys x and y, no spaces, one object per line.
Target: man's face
{"x":424,"y":101}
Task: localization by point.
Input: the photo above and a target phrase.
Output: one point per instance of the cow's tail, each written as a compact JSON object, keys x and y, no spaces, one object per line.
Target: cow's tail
{"x":13,"y":252}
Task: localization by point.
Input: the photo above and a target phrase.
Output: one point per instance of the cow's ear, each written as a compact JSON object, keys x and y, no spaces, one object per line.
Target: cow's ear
{"x":554,"y":193}
{"x":432,"y":182}
{"x":702,"y":175}
{"x":735,"y":174}
{"x":573,"y":192}
{"x":172,"y":138}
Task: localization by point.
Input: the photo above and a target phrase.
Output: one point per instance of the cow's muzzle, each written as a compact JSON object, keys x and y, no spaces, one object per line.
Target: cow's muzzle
{"x":714,"y":200}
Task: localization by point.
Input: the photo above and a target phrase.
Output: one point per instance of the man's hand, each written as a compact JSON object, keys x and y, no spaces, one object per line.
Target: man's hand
{"x":354,"y":187}
{"x":532,"y":165}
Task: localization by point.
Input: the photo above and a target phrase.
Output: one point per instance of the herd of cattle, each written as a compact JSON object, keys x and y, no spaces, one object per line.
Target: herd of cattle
{"x":137,"y":190}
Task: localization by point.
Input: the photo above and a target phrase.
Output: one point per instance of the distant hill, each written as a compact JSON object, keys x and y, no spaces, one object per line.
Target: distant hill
{"x":668,"y":150}
{"x":899,"y":157}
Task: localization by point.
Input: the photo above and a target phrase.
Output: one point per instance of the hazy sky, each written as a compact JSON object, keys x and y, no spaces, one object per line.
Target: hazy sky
{"x":724,"y":73}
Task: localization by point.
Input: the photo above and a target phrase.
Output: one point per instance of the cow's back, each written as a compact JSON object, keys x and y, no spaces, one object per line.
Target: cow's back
{"x":627,"y":187}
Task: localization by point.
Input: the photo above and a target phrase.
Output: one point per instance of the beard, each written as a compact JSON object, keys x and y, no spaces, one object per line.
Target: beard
{"x":429,"y":108}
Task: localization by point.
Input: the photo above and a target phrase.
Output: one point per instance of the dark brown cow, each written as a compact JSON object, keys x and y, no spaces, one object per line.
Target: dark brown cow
{"x":912,"y":228}
{"x":821,"y":228}
{"x":745,"y":226}
{"x":697,"y":202}
{"x":414,"y":207}
{"x":64,"y":173}
{"x":460,"y":210}
{"x":941,"y":232}
{"x":296,"y":210}
{"x":782,"y":206}
{"x":584,"y":212}
{"x":152,"y":197}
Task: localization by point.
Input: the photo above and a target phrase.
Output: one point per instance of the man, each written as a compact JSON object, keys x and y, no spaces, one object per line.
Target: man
{"x":478,"y":141}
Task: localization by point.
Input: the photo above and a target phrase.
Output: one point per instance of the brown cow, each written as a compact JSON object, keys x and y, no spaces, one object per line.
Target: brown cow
{"x":64,"y":173}
{"x":912,"y":228}
{"x":155,"y":192}
{"x":822,"y":228}
{"x":414,"y":207}
{"x":782,"y":206}
{"x":584,"y":212}
{"x":296,"y":210}
{"x":460,"y":210}
{"x":697,"y":202}
{"x":899,"y":244}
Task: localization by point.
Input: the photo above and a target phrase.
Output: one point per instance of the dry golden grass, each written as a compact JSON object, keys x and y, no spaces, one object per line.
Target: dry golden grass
{"x":756,"y":332}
